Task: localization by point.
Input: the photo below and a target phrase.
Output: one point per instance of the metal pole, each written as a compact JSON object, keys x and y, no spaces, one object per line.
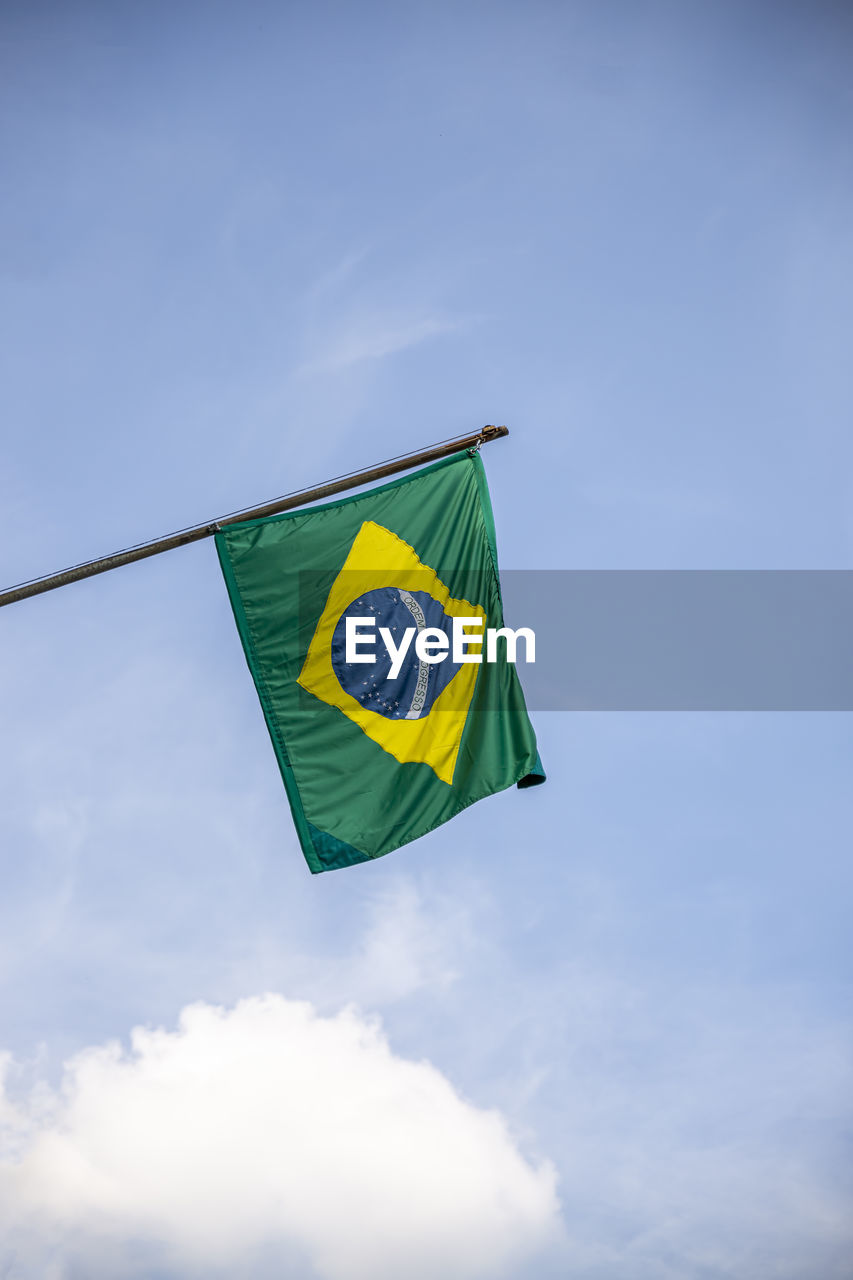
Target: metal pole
{"x":197,"y":532}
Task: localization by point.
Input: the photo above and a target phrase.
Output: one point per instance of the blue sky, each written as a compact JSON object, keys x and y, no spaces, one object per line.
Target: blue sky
{"x":598,"y":1029}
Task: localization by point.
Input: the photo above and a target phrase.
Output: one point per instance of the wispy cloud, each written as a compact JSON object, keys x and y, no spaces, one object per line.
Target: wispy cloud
{"x":373,"y":335}
{"x":412,"y":943}
{"x":331,"y":280}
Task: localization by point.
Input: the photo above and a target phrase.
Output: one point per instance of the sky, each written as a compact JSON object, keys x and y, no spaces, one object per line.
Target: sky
{"x":599,"y":1029}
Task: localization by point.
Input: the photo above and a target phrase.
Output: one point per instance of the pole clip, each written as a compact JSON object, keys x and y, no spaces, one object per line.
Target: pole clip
{"x":488,"y":433}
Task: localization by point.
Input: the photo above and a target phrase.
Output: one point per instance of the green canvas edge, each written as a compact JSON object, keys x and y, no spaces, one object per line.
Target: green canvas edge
{"x":334,"y":853}
{"x":303,"y":829}
{"x":488,"y":519}
{"x":537,"y":774}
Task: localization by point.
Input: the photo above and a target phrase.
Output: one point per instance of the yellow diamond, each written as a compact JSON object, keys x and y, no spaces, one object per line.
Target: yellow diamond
{"x":379,"y":558}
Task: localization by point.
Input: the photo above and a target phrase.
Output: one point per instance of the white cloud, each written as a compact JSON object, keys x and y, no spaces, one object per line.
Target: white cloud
{"x":262,"y":1128}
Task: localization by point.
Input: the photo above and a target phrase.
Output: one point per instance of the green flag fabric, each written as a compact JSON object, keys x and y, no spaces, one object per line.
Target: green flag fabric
{"x":381,"y":732}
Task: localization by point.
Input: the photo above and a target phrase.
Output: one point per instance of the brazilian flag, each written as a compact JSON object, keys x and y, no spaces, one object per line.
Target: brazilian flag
{"x":375,"y":753}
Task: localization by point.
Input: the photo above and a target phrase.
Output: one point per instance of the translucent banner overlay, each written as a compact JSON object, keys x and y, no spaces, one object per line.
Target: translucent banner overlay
{"x":619,"y":640}
{"x":685,"y":640}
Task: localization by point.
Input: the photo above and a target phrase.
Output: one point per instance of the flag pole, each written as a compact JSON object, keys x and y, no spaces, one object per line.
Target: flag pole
{"x":195,"y":533}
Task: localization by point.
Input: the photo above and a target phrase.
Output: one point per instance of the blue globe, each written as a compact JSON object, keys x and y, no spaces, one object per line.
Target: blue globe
{"x":412,"y":694}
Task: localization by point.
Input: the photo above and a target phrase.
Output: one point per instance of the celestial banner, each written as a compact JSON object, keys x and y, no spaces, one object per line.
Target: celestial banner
{"x":373,"y":628}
